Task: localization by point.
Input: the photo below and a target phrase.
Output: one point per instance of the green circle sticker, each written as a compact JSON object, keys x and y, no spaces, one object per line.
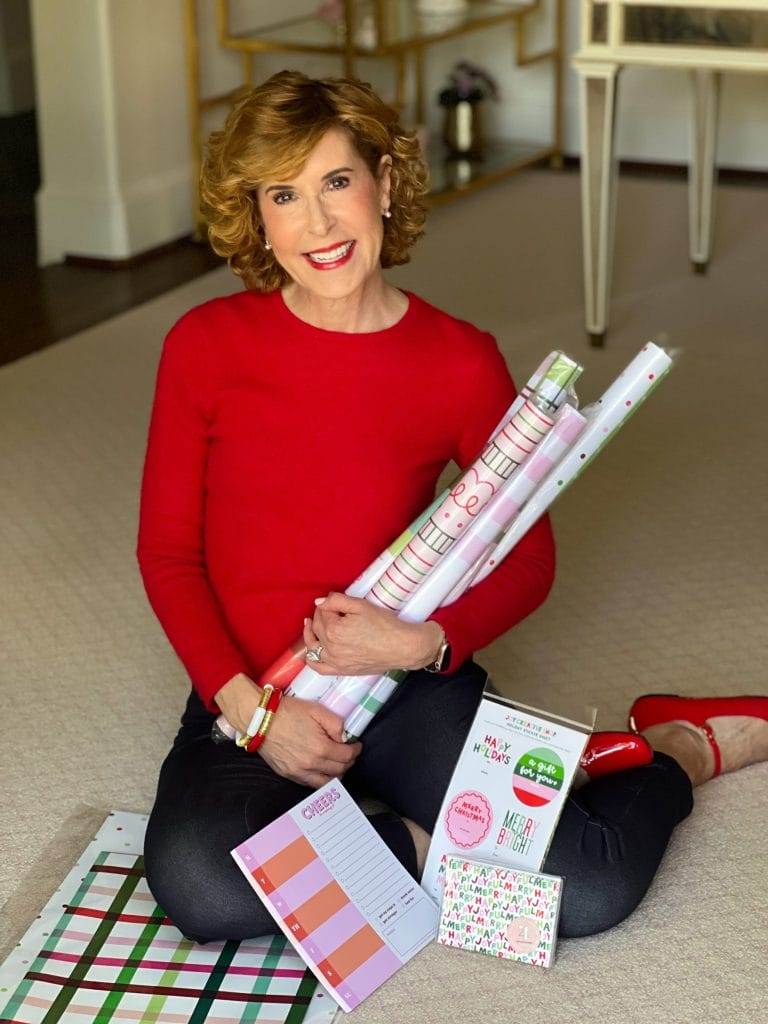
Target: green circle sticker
{"x":538,"y":777}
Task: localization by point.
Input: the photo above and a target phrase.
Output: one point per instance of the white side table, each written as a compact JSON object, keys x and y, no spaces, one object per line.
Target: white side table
{"x":704,"y":37}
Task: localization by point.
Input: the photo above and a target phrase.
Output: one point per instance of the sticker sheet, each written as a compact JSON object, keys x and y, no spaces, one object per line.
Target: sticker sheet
{"x":102,"y":950}
{"x":507,"y":790}
{"x":502,"y":912}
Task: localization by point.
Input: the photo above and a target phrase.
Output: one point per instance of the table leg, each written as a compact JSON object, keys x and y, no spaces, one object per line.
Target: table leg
{"x":598,"y":90}
{"x":702,"y":172}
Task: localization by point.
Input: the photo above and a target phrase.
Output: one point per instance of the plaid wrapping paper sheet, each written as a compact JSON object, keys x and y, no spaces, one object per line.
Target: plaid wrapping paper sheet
{"x":102,"y":950}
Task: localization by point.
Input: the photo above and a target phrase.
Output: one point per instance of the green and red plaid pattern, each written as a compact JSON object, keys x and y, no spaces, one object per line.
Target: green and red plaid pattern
{"x":113,"y":956}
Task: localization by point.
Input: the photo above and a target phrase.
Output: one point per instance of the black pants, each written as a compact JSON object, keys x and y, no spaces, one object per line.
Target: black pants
{"x":608,"y":843}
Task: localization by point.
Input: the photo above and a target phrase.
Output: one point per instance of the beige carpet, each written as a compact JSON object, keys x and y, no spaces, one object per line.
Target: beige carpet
{"x":661,"y":585}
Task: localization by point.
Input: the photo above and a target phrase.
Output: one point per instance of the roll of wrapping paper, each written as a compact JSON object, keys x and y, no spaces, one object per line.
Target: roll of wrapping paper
{"x":502,"y":456}
{"x":604,"y":418}
{"x":379,"y":566}
{"x":526,"y":424}
{"x":484,"y":532}
{"x":285,"y":671}
{"x":500,"y":459}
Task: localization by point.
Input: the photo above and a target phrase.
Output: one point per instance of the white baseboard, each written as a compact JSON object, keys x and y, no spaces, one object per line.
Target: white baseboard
{"x":104,"y":225}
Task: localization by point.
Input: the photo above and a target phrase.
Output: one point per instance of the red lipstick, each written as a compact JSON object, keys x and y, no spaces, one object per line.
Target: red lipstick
{"x":332,"y":265}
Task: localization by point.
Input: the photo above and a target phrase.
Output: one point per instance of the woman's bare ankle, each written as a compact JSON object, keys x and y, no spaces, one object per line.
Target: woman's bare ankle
{"x":687,"y":745}
{"x":741,"y":739}
{"x":421,"y":841}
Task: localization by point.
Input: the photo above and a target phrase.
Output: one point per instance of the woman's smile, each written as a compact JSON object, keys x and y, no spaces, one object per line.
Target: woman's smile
{"x":330,"y":257}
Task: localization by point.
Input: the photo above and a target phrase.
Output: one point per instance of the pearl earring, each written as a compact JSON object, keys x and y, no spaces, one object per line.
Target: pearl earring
{"x":267,"y":245}
{"x":387,"y":213}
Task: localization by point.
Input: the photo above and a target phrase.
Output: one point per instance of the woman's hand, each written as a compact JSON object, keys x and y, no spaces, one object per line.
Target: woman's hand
{"x":304,"y":743}
{"x":360,"y":638}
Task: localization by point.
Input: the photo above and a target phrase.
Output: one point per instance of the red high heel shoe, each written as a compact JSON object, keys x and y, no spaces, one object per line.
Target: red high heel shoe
{"x":656,"y":708}
{"x":608,"y":752}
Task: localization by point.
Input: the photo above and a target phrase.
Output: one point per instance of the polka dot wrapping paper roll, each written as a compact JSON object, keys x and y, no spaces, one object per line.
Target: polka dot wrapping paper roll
{"x":605,"y":418}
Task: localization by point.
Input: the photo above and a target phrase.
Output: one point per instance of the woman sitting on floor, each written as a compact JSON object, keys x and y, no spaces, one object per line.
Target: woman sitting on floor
{"x":298,"y":425}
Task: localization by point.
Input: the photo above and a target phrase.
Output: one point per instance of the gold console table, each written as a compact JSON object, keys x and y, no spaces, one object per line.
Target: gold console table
{"x":704,"y":37}
{"x":400,"y":34}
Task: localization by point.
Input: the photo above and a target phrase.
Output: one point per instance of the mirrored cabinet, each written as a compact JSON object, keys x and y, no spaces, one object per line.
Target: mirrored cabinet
{"x":703,"y":37}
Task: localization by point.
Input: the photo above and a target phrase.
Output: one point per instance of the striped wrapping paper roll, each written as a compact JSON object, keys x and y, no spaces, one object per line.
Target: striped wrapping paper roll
{"x":367,"y":579}
{"x":604,"y":418}
{"x":489,"y":525}
{"x":499,"y":460}
{"x":526,"y":422}
{"x":377,"y":568}
{"x":410,"y":571}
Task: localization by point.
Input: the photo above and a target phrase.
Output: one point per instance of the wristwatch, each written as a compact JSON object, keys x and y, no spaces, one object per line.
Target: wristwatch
{"x":442,"y":658}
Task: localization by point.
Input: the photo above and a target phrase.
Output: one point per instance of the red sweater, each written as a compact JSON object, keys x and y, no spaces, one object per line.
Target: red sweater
{"x":283,"y":458}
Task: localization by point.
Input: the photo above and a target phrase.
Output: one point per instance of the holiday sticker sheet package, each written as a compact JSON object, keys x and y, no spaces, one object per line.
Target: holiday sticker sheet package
{"x":508,"y":788}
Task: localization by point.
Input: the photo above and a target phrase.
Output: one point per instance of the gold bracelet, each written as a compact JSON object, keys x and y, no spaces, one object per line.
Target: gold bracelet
{"x":265,"y":723}
{"x":272,"y":705}
{"x":246,"y":737}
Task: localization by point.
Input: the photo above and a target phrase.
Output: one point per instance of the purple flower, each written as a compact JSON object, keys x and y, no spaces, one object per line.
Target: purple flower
{"x":468,"y":82}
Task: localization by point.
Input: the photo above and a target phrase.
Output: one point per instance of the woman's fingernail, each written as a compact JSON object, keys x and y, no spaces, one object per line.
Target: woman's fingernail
{"x":319,"y":600}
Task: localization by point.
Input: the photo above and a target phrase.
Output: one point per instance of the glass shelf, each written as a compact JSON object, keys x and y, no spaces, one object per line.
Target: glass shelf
{"x":404,"y":27}
{"x":451,"y":176}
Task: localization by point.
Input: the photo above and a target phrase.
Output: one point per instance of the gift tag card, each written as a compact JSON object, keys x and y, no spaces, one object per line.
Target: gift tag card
{"x":500,"y":911}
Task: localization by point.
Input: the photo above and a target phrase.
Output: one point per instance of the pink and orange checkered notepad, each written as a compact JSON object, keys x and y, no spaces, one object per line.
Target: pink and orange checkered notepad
{"x":335,"y":889}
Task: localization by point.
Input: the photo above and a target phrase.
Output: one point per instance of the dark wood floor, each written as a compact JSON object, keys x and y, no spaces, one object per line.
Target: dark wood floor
{"x":40,"y":305}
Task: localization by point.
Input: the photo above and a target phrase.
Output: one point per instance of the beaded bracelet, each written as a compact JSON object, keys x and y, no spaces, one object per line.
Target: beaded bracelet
{"x":245,"y":738}
{"x":273,"y":702}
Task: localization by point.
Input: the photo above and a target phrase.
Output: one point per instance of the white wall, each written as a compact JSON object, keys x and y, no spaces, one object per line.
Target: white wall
{"x":113,"y":126}
{"x":114,"y":123}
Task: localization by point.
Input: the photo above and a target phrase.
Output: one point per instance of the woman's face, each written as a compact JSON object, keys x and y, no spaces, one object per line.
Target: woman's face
{"x":325,"y":225}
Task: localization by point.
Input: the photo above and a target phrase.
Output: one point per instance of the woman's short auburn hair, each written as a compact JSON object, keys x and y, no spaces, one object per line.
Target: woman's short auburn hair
{"x":269,"y":134}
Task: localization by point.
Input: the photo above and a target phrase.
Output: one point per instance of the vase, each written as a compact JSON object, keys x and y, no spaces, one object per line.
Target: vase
{"x":462,"y":129}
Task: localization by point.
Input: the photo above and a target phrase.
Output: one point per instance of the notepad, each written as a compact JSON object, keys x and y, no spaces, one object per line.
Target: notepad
{"x":340,"y":895}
